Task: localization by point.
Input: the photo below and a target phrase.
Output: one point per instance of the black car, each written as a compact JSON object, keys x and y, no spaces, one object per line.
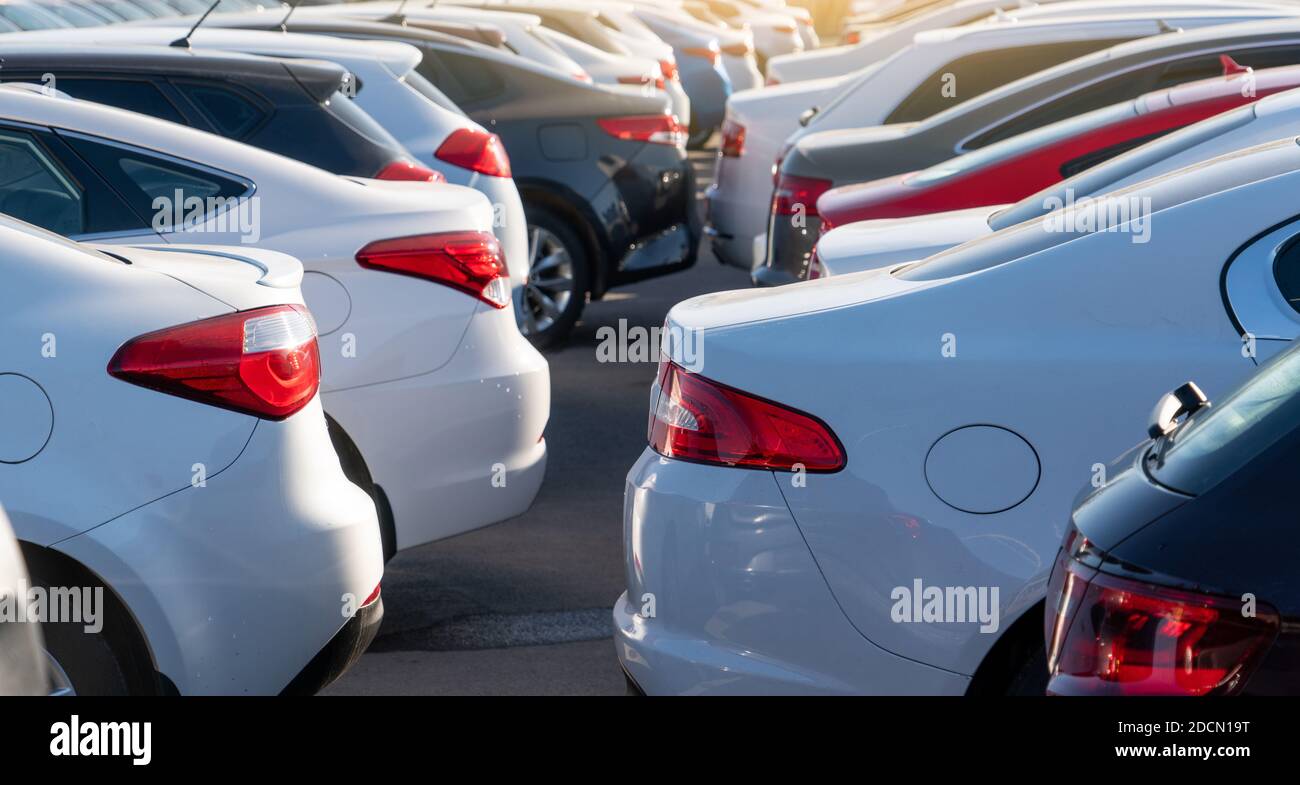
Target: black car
{"x":603,"y":174}
{"x":1178,"y":576}
{"x":297,"y":108}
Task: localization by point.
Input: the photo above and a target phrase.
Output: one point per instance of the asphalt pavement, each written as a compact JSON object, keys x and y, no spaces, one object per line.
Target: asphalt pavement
{"x":523,"y":607}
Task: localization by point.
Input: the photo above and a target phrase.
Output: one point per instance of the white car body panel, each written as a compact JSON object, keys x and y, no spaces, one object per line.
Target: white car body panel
{"x":391,"y":336}
{"x":22,"y":659}
{"x":236,"y":583}
{"x":415,"y":121}
{"x":1122,"y":321}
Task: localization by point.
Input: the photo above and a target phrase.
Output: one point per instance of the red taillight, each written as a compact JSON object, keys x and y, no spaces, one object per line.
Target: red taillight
{"x":582,"y":76}
{"x":479,"y":151}
{"x":654,"y":128}
{"x":374,"y":595}
{"x":643,"y":81}
{"x":403,"y":169}
{"x":696,"y":419}
{"x":669,"y":69}
{"x":853,"y":37}
{"x":737,"y":50}
{"x":469,"y":261}
{"x":709,"y":53}
{"x":798,"y":195}
{"x":785,"y":29}
{"x":733,"y":138}
{"x":772,"y":80}
{"x":263,"y":362}
{"x":1115,"y":636}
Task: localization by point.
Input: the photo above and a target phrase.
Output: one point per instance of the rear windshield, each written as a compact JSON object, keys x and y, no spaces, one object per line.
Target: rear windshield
{"x":424,"y":87}
{"x":1027,"y":142}
{"x":1218,"y":441}
{"x":354,"y":117}
{"x":1103,"y":176}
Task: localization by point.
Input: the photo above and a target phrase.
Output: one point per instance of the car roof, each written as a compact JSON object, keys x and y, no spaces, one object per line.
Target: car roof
{"x":321,"y":79}
{"x":1283,"y":77}
{"x":397,"y":57}
{"x":1015,"y":30}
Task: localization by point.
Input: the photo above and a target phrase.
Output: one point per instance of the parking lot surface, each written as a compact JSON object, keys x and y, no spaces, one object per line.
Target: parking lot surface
{"x":523,"y":607}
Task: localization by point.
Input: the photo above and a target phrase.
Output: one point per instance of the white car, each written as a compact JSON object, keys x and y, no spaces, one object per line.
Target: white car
{"x":939,"y":70}
{"x":390,"y":90}
{"x":775,"y":33}
{"x":886,"y":39}
{"x":437,"y":400}
{"x":867,"y":245}
{"x":859,"y":485}
{"x":736,"y":46}
{"x":167,"y":467}
{"x":22,"y":655}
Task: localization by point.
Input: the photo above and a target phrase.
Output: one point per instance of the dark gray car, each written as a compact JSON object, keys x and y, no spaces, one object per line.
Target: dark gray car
{"x":817,"y":161}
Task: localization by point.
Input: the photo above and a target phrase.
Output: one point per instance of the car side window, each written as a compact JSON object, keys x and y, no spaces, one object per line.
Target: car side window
{"x":135,"y":95}
{"x":150,"y":184}
{"x":474,"y":80}
{"x":975,"y":74}
{"x":1122,"y":87}
{"x":33,"y":188}
{"x":232,"y":114}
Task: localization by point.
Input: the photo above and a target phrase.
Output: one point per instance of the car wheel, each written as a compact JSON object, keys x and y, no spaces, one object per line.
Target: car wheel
{"x":106,"y":661}
{"x":698,"y":137}
{"x":1031,"y":678}
{"x":558,"y":271}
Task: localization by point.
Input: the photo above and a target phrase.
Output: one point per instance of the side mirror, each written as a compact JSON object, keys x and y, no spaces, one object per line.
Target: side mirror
{"x":1185,"y":400}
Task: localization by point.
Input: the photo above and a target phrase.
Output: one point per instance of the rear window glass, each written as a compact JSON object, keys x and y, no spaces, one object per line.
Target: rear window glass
{"x":1218,"y":441}
{"x":134,"y":95}
{"x":424,"y":87}
{"x":354,"y":117}
{"x":976,"y":74}
{"x":1101,"y":177}
{"x":231,"y":114}
{"x":1024,"y":143}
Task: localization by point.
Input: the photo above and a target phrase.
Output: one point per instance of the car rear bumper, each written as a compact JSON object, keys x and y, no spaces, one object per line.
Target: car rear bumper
{"x":736,"y":207}
{"x":459,"y":448}
{"x":654,"y":228}
{"x":341,"y":653}
{"x":724,"y":597}
{"x":239,"y":580}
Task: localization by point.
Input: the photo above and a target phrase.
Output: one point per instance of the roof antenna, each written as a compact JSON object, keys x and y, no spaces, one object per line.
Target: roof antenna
{"x":184,"y":41}
{"x":1164,"y":27}
{"x":284,"y":23}
{"x":397,"y":17}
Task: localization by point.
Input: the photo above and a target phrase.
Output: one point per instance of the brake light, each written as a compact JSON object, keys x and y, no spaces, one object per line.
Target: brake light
{"x":469,"y":261}
{"x":1115,"y":636}
{"x":853,"y":37}
{"x":476,"y":150}
{"x":733,"y":138}
{"x":642,"y":81}
{"x":405,"y":169}
{"x":263,"y":362}
{"x":582,"y":76}
{"x":696,"y":419}
{"x":653,"y":128}
{"x":798,"y":195}
{"x":669,"y":69}
{"x":787,"y":29}
{"x":738,"y":50}
{"x":709,"y":53}
{"x":772,"y":80}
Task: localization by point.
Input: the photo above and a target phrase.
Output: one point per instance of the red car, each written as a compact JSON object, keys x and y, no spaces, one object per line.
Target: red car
{"x":1017,"y":167}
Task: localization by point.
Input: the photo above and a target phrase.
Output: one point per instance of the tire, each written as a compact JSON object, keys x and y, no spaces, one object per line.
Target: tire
{"x":1031,"y":678}
{"x":559,"y":275}
{"x":106,"y":662}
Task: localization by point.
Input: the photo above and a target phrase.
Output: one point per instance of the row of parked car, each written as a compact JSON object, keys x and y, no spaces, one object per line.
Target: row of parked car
{"x":1026,"y":223}
{"x":276,"y":276}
